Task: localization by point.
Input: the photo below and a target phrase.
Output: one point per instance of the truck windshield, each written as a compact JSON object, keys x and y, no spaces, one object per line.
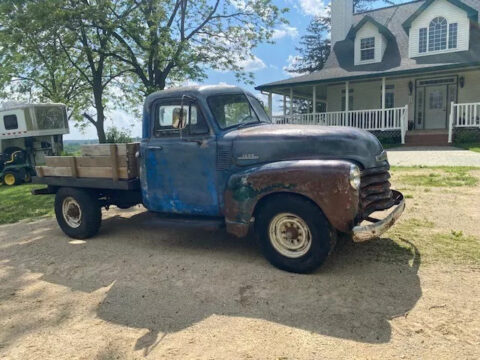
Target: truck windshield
{"x":234,"y":109}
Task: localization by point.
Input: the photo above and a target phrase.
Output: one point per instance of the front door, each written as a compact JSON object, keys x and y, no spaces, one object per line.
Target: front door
{"x":179,"y":175}
{"x":436,"y":107}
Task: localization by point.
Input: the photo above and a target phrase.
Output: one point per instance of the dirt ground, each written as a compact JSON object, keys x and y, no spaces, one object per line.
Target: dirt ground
{"x":139,"y":290}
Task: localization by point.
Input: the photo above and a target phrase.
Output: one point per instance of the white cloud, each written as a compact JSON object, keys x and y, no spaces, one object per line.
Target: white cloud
{"x":313,"y":7}
{"x":285,"y":31}
{"x":253,"y":64}
{"x":292,"y":60}
{"x":249,"y":64}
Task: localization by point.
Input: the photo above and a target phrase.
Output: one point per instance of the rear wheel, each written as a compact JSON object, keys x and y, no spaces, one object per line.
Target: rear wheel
{"x":10,"y":178}
{"x":28,"y":177}
{"x":294,"y":234}
{"x":78,"y":212}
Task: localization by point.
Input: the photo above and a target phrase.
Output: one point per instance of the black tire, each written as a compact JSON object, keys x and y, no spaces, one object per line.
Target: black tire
{"x":322,"y":235}
{"x":90,"y":217}
{"x":27,"y":178}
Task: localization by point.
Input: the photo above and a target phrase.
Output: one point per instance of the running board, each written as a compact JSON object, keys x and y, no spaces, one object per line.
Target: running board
{"x":184,"y":221}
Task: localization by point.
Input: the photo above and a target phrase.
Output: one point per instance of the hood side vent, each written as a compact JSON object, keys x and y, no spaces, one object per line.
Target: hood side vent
{"x":224,"y":156}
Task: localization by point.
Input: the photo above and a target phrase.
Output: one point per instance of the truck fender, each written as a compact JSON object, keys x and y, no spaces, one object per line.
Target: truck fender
{"x":325,"y":182}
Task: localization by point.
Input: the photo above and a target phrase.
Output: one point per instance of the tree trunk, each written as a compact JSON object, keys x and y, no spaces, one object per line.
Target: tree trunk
{"x":102,"y":139}
{"x":98,"y":97}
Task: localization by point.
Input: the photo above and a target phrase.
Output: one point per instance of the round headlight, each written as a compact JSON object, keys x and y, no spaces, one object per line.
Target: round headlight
{"x":354,"y":177}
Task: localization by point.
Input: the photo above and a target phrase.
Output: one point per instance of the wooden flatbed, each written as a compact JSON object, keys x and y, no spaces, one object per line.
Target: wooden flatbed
{"x":88,"y":183}
{"x":108,"y":170}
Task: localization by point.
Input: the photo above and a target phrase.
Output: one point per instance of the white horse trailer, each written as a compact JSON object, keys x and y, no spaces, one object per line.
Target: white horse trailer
{"x":37,"y":129}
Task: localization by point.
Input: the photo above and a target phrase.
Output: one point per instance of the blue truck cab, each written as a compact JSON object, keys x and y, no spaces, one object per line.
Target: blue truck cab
{"x":211,"y":153}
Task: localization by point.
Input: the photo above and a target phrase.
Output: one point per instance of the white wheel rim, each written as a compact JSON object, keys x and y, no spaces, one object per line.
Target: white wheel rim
{"x":72,"y":213}
{"x":290,"y":235}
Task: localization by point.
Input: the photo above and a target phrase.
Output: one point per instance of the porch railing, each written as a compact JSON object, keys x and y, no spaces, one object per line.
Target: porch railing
{"x":463,"y":116}
{"x":371,"y":119}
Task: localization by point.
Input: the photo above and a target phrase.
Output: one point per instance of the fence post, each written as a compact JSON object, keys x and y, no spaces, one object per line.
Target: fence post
{"x":450,"y":123}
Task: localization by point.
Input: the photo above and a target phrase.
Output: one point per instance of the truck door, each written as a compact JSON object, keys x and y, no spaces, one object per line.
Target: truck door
{"x":179,"y":173}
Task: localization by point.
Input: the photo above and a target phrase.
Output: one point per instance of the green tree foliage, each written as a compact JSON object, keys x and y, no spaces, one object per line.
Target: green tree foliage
{"x":53,"y":51}
{"x":115,"y":135}
{"x":92,"y":54}
{"x":176,"y":40}
{"x":33,"y":64}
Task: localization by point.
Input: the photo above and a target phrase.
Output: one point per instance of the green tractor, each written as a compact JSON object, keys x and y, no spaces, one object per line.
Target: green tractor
{"x":15,"y":167}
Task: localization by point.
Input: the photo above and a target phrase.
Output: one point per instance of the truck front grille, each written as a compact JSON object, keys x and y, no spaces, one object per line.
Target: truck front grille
{"x":375,"y":192}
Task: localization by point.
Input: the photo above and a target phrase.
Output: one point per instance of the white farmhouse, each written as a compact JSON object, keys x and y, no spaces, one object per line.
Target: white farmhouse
{"x":410,"y":71}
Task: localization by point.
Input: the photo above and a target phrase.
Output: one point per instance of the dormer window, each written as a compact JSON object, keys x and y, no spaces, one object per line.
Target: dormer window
{"x":436,"y":35}
{"x":452,"y":36}
{"x":422,"y":42}
{"x":367,"y":49}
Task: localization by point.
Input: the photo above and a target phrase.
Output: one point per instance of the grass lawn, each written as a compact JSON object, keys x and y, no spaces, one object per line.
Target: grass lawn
{"x":17,"y":203}
{"x":469,"y":146}
{"x":441,"y":218}
{"x":439,"y":176}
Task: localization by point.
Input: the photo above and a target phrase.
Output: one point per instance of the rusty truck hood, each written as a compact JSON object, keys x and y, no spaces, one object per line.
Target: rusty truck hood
{"x":267,"y":143}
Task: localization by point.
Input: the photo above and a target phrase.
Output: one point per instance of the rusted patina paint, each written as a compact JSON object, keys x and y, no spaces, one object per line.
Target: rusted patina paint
{"x":375,"y":193}
{"x":325,"y":182}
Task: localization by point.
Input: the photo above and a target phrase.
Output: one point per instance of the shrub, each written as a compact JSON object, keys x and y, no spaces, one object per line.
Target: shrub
{"x":116,"y":136}
{"x":467,"y":136}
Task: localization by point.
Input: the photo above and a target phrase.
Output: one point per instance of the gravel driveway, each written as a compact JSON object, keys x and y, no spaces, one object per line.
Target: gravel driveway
{"x":140,"y":291}
{"x":433,"y":156}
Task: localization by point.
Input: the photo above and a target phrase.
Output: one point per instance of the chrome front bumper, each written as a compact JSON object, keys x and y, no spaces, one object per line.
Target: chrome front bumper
{"x":378,"y":227}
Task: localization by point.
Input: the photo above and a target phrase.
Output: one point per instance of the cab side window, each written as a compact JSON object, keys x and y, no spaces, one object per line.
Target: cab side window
{"x":10,"y":122}
{"x":169,"y":120}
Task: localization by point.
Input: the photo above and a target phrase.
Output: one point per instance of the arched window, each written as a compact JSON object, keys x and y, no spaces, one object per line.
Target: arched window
{"x":437,"y":34}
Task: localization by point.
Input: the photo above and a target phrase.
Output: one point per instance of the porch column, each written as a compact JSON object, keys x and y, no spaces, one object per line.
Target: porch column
{"x":284,"y":105}
{"x":347,"y":101}
{"x":384,"y":86}
{"x":314,"y":99}
{"x":270,"y":104}
{"x":291,"y":101}
{"x":450,"y":122}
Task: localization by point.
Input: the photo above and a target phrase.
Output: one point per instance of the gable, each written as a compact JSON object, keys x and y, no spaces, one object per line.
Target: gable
{"x":368,"y":20}
{"x":443,"y":9}
{"x":366,"y":31}
{"x":456,"y":5}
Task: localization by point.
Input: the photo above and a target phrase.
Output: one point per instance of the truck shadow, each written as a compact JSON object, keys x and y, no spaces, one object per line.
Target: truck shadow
{"x":167,"y":280}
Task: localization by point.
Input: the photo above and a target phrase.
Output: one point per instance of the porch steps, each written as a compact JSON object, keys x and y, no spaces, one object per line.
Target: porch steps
{"x":426,"y":138}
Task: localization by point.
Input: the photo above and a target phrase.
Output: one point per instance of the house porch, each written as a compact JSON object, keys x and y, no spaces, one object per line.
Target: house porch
{"x":391,"y":107}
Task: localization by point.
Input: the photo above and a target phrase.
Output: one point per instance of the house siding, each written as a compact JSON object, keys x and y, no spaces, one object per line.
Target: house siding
{"x":368,"y":95}
{"x":471,"y":91}
{"x":452,"y":14}
{"x":366,"y":31}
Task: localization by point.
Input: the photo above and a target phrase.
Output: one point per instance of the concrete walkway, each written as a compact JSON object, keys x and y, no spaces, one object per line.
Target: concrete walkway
{"x":432,"y":156}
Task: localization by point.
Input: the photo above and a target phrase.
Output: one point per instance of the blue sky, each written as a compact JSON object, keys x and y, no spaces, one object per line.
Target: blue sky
{"x":269,"y":63}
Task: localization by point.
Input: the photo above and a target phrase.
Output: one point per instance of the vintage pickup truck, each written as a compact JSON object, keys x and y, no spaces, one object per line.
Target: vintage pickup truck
{"x":210,"y":155}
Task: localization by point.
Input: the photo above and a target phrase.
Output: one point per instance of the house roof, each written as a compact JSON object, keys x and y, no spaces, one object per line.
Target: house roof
{"x":368,"y":19}
{"x":396,"y":61}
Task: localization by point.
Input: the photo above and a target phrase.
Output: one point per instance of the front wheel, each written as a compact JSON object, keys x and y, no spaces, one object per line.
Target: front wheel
{"x":78,"y":212}
{"x":294,"y":234}
{"x":10,"y":178}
